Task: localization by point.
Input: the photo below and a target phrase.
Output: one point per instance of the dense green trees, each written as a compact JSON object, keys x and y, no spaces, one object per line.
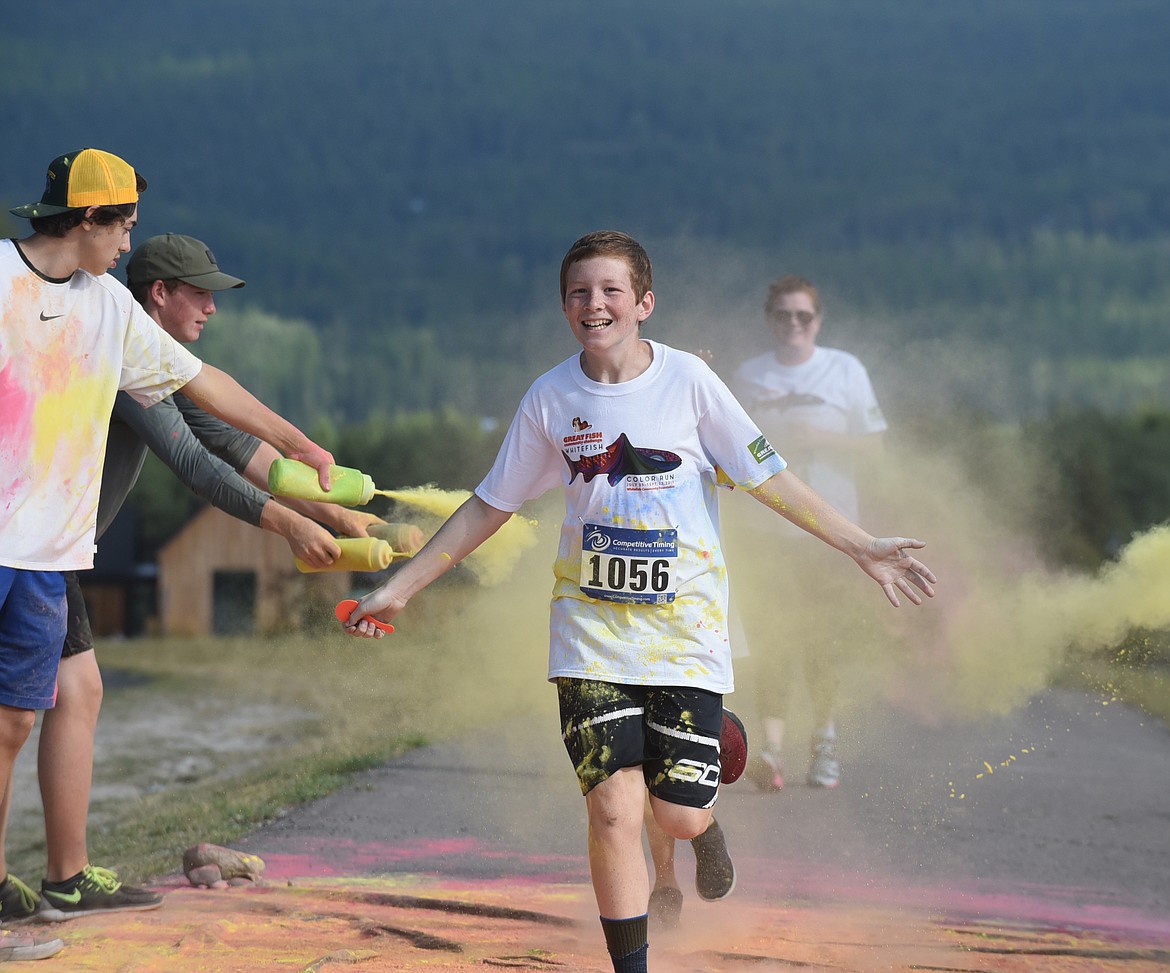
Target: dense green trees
{"x":981,"y":189}
{"x":416,"y":169}
{"x":1110,"y":477}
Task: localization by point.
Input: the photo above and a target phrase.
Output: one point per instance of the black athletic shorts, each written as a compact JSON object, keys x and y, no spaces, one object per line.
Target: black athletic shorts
{"x":671,"y":731}
{"x":78,"y":636}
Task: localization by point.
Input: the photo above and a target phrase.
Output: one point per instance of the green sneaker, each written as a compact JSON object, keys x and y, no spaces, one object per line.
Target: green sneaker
{"x":17,"y":901}
{"x":91,"y":890}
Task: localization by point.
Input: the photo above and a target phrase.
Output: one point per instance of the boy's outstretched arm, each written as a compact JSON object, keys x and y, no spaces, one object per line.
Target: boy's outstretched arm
{"x":217,"y":392}
{"x":885,"y":559}
{"x":472,"y":524}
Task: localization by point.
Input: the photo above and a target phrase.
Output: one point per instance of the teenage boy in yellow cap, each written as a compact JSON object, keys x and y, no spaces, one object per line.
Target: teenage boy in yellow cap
{"x":175,"y":279}
{"x":71,"y":336}
{"x":635,"y":432}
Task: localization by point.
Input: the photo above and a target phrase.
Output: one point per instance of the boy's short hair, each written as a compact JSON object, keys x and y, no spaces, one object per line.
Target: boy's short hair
{"x":140,"y":289}
{"x":791,"y":284}
{"x":612,"y":243}
{"x":60,"y":224}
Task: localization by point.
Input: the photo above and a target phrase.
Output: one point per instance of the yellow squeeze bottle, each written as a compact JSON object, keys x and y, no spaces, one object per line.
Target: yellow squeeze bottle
{"x":348,"y":487}
{"x":357,"y":554}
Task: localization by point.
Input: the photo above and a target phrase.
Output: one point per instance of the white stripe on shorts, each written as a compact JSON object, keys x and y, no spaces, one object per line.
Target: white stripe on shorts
{"x":682,"y":735}
{"x":606,"y":718}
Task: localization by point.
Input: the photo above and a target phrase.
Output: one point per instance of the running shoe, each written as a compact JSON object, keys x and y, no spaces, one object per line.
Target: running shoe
{"x":714,"y":870}
{"x":17,"y":944}
{"x":17,"y":901}
{"x":766,"y":771}
{"x":666,"y":907}
{"x":824,"y":771}
{"x":733,"y":748}
{"x":91,"y":890}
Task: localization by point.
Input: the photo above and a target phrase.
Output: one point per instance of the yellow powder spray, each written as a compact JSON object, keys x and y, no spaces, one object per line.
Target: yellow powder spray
{"x":1002,"y":625}
{"x":494,"y":560}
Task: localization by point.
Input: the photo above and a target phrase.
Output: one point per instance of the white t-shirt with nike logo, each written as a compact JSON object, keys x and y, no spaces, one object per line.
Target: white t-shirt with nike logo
{"x":66,"y":348}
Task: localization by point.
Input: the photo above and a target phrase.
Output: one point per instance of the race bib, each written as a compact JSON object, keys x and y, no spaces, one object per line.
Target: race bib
{"x":626,"y":565}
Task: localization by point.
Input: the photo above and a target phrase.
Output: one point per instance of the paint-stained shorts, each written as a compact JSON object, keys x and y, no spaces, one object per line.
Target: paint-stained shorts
{"x":79,"y":634}
{"x":672,"y":732}
{"x":32,"y":630}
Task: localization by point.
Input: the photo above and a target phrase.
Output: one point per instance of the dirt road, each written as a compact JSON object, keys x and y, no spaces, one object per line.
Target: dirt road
{"x":1035,"y":841}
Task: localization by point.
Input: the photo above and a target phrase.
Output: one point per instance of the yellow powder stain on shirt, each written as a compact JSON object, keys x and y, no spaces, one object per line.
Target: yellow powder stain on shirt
{"x":62,"y":417}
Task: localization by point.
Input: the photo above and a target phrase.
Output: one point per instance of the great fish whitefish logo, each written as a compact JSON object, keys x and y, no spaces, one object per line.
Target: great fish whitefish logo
{"x":622,"y":459}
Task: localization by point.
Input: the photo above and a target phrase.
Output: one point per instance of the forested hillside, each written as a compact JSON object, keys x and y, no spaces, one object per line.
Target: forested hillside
{"x":983,"y":189}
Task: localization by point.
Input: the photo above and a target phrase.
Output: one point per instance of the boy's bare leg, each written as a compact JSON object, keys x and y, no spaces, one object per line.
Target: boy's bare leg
{"x":661,"y":851}
{"x":666,"y":897}
{"x":620,"y":881}
{"x":65,"y":764}
{"x":714,"y":869}
{"x":15,"y":726}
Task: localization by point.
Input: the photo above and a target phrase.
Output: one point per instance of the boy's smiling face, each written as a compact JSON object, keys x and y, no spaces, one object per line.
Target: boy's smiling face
{"x":602,"y":307}
{"x":184,"y":311}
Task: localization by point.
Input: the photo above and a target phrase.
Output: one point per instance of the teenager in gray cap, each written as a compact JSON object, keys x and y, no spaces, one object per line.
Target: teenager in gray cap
{"x":175,"y":279}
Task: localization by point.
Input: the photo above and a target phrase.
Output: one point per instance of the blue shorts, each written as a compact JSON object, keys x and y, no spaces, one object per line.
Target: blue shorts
{"x":32,"y":631}
{"x":672,"y":732}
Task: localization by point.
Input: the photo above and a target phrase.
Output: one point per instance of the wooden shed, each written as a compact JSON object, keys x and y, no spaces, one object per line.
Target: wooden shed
{"x":218,"y":576}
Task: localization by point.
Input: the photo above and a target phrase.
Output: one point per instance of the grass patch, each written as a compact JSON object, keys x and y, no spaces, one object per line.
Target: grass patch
{"x":351,"y":704}
{"x":151,"y":839}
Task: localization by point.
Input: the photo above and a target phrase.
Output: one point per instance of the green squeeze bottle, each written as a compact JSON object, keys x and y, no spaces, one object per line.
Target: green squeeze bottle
{"x":349,"y":487}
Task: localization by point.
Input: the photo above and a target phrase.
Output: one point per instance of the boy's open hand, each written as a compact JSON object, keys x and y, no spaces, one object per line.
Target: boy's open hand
{"x":888,"y":562}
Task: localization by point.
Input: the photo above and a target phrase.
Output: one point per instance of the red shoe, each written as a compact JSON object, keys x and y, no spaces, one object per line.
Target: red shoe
{"x":733,"y":750}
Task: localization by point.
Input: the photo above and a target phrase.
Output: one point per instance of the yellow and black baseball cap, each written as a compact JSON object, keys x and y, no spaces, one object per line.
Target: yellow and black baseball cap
{"x":173,"y":256}
{"x":87,"y":177}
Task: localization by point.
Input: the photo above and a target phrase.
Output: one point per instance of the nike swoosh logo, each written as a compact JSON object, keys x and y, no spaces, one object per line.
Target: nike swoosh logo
{"x":50,"y":317}
{"x":74,"y":896}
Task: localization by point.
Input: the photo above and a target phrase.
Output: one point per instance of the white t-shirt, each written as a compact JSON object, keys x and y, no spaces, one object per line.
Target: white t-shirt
{"x":66,"y":347}
{"x":830,"y":392}
{"x":640,"y":589}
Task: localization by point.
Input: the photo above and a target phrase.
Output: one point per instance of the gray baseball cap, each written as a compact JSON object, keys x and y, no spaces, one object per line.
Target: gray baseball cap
{"x":173,"y":256}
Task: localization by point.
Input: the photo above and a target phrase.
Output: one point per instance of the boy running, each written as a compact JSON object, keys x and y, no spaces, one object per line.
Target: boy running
{"x":635,"y":431}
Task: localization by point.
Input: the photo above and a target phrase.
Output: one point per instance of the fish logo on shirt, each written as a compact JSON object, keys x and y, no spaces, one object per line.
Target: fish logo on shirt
{"x":792,"y":400}
{"x":620,"y":459}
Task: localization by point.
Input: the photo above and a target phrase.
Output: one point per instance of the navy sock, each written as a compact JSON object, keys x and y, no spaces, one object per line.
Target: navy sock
{"x":626,"y":940}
